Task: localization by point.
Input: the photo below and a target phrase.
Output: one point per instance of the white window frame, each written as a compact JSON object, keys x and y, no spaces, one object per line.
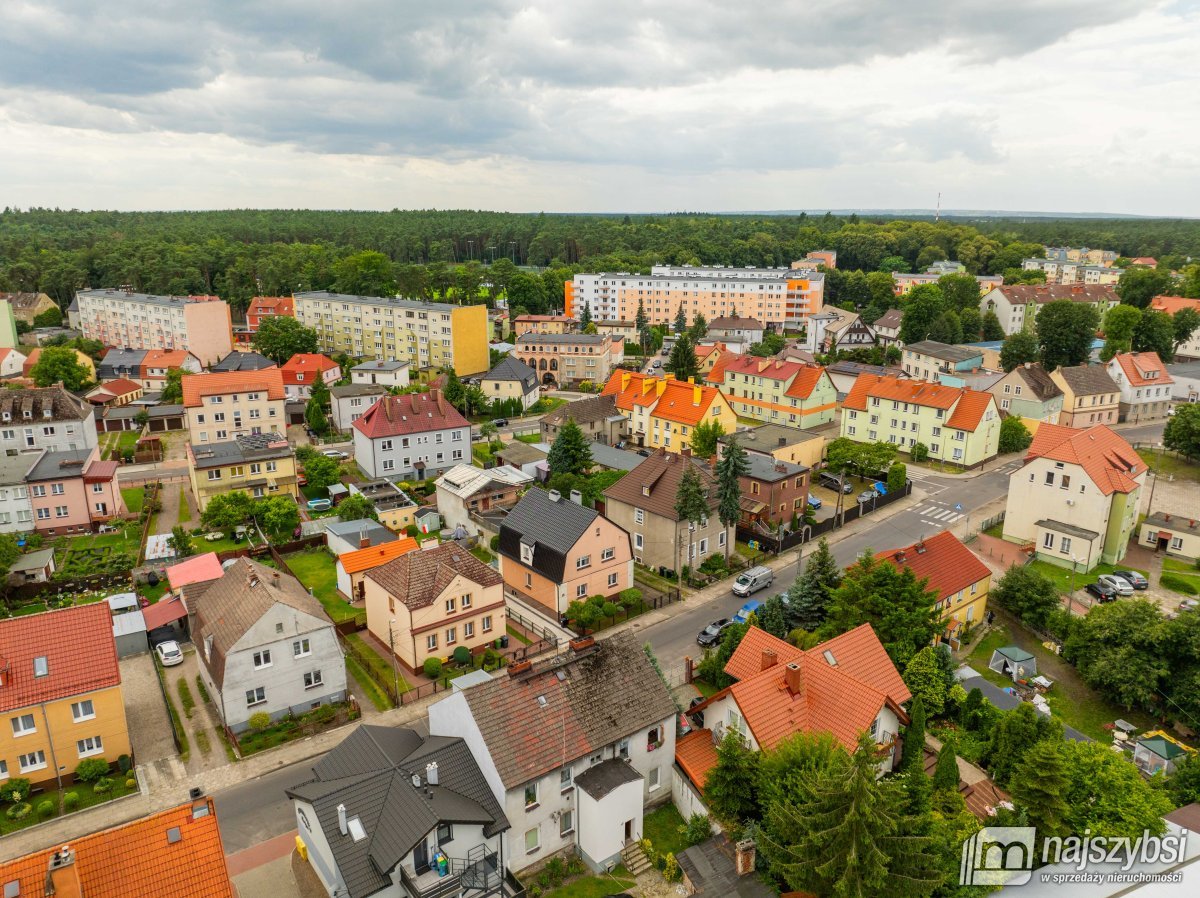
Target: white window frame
{"x":83,"y":710}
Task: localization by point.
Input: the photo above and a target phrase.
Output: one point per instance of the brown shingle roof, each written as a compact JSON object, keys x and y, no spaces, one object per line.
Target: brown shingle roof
{"x":418,"y":578}
{"x":583,"y":411}
{"x":654,"y":484}
{"x":1088,"y":380}
{"x":37,"y":400}
{"x":1043,"y":293}
{"x":1036,"y":378}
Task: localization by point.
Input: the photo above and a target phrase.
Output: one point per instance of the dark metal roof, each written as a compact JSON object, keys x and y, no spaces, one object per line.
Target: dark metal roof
{"x":606,"y":776}
{"x":711,"y":870}
{"x":1069,"y":529}
{"x":510,"y":368}
{"x":551,"y":526}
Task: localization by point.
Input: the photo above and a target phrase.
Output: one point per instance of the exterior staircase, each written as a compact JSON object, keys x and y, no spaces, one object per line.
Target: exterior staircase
{"x":635,"y":859}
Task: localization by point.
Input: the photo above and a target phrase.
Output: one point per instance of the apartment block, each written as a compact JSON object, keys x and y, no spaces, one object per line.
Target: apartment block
{"x":570,"y":358}
{"x":39,"y":418}
{"x":662,"y":412}
{"x":200,"y":324}
{"x":779,"y":297}
{"x":1059,"y":272}
{"x":221,"y":407}
{"x":261,"y":465}
{"x":1102,"y":257}
{"x":1090,"y":396}
{"x":903,"y":283}
{"x":425,"y":334}
{"x":778,"y":392}
{"x":544,"y":324}
{"x":1017,"y":305}
{"x":16,"y":511}
{"x":263,"y":307}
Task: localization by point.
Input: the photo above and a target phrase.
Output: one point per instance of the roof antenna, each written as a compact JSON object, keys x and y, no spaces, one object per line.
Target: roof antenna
{"x":937,"y":215}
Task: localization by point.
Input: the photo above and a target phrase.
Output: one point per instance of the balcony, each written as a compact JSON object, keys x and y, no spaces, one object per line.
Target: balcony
{"x":478,"y":875}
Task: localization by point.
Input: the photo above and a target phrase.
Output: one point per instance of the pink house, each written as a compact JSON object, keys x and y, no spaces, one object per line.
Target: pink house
{"x":73,"y":491}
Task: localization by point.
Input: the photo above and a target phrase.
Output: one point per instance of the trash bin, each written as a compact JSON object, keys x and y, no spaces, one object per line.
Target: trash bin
{"x":504,"y":641}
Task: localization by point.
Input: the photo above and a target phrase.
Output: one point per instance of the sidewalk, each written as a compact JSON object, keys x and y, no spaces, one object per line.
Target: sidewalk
{"x":988,"y":467}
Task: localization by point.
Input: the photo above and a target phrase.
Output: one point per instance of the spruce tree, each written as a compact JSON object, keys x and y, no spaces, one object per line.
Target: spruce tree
{"x":585,"y":317}
{"x":1039,"y":788}
{"x":680,"y":321}
{"x":642,"y":324}
{"x":945,"y":775}
{"x":682,"y":360}
{"x":992,"y":328}
{"x":913,"y":756}
{"x":731,"y":785}
{"x":570,"y":453}
{"x":733,"y":465}
{"x":699,"y":328}
{"x":822,"y":568}
{"x":690,"y":501}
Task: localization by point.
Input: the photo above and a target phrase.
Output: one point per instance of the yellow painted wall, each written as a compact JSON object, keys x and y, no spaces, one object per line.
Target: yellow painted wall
{"x":469,"y":339}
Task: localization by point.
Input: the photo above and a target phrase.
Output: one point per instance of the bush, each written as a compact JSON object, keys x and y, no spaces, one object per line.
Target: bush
{"x":46,"y":809}
{"x":14,"y":789}
{"x":670,"y":867}
{"x":432,"y":668}
{"x":696,"y":830}
{"x":19,"y":811}
{"x":896,"y":478}
{"x":259,"y":720}
{"x":1177,"y":583}
{"x":71,"y":801}
{"x":131,"y":783}
{"x":103,"y":785}
{"x":575,"y":865}
{"x":534,"y":891}
{"x":124,"y":763}
{"x":462,"y":656}
{"x":91,"y":770}
{"x":556,"y":870}
{"x":630,"y":598}
{"x":494,"y":543}
{"x":410,"y":530}
{"x":919,"y":452}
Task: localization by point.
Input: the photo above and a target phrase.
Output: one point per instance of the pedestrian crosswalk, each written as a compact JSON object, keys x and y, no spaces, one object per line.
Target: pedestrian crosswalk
{"x":938,"y":514}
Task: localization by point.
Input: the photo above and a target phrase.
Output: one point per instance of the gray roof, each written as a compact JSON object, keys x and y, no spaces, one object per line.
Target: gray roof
{"x":891,"y":319}
{"x":510,"y":368}
{"x":1089,"y":380}
{"x":52,"y":465}
{"x":1006,"y":701}
{"x":551,"y":527}
{"x":345,"y":391}
{"x":381,"y":365}
{"x":394,"y":301}
{"x":711,"y":870}
{"x":365,"y":527}
{"x":114,"y":413}
{"x":584,"y":411}
{"x":944,"y":351}
{"x":370,"y":773}
{"x":13,"y":468}
{"x":519,"y":453}
{"x":142,"y":298}
{"x":767,"y":469}
{"x":243,"y":361}
{"x":606,"y":776}
{"x":582,"y":339}
{"x":119,"y":362}
{"x":1171,"y":521}
{"x":614,"y":459}
{"x":1069,"y":529}
{"x":770,"y":437}
{"x":1184,"y":369}
{"x":246,"y":448}
{"x":34,"y":561}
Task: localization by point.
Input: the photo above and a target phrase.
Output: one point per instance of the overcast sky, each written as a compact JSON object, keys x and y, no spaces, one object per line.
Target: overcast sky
{"x":601,"y":105}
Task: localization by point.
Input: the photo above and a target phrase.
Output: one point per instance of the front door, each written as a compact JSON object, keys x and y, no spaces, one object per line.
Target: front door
{"x":628,"y":831}
{"x":421,"y":857}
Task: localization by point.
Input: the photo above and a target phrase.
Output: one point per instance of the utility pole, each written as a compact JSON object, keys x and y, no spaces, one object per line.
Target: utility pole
{"x":392,"y":648}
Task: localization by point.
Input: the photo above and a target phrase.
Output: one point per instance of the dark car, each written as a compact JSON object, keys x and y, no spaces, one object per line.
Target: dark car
{"x":644,"y":453}
{"x":1101,"y":592}
{"x":1133,"y":578}
{"x":711,"y":634}
{"x":501,"y":422}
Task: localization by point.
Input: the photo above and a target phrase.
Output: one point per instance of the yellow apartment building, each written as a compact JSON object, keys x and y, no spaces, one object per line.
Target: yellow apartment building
{"x":663,"y":411}
{"x":222,"y":407}
{"x":261,"y":465}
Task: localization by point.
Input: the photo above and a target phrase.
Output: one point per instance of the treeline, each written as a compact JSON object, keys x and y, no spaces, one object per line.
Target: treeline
{"x":237,"y":254}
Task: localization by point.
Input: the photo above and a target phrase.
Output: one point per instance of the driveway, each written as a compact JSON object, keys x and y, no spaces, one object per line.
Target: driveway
{"x":149,"y":725}
{"x":203,"y":727}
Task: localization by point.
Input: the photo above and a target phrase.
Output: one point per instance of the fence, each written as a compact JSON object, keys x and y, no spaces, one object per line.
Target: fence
{"x":808,"y":532}
{"x":31,"y":593}
{"x":540,"y":630}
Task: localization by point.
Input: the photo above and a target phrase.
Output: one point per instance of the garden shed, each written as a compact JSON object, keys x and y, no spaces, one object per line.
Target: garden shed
{"x":129,"y":632}
{"x":1013,"y":662}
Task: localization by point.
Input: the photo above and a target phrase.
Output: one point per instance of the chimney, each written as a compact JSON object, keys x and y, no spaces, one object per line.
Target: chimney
{"x":584,"y":642}
{"x":275,"y":579}
{"x":519,"y":667}
{"x":431,"y":773}
{"x":744,"y":857}
{"x":62,"y":879}
{"x":555,"y":496}
{"x":769,"y":659}
{"x":686,"y":451}
{"x":697,"y":395}
{"x":577,"y":497}
{"x":364,"y":541}
{"x":900,"y":556}
{"x":780,"y":467}
{"x":783,"y":441}
{"x":342,"y":828}
{"x":793,"y":677}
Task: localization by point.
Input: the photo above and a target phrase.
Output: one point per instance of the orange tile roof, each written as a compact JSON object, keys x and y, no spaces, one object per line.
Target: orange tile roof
{"x":968,"y":413}
{"x":716,"y":376}
{"x":120,"y":387}
{"x":80,"y":653}
{"x":164,"y":358}
{"x":968,"y":405}
{"x":1104,"y":456}
{"x":697,"y":755}
{"x":1137,"y":365}
{"x":305,"y":362}
{"x":1172,"y":304}
{"x":942,"y":559}
{"x":197,"y":386}
{"x":139,"y":859}
{"x":747,"y":660}
{"x":806,"y":381}
{"x":703,"y":352}
{"x":374,"y":556}
{"x":676,"y":403}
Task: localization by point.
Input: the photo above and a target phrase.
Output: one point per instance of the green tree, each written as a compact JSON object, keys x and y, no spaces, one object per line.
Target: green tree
{"x":1019,"y":348}
{"x":922,"y":306}
{"x":690,"y":502}
{"x":1014,"y":435}
{"x":733,"y":465}
{"x":279,"y":337}
{"x":699,"y":328}
{"x":912,"y":757}
{"x":1027,"y":594}
{"x":785,"y":770}
{"x":1155,"y":333}
{"x":1066,"y":330}
{"x":642,"y":323}
{"x":972,"y":325}
{"x":49,"y":318}
{"x":357,"y":508}
{"x":1118,"y":650}
{"x":945,"y":774}
{"x":172,"y":392}
{"x":58,"y":364}
{"x":1140,"y":285}
{"x":846,"y":456}
{"x":1108,"y":795}
{"x":1185,"y":322}
{"x":680,"y":321}
{"x":227,"y":510}
{"x":771,"y":344}
{"x":1184,"y":784}
{"x":923,"y":676}
{"x":365,"y":273}
{"x":180,"y":541}
{"x":278,"y":516}
{"x":321,"y":471}
{"x":570,"y":452}
{"x":1015,"y":733}
{"x":682,"y":360}
{"x":1119,"y":324}
{"x":705,"y":436}
{"x":992,"y":329}
{"x":315,"y":417}
{"x":585,"y":317}
{"x":1039,"y":788}
{"x":960,"y":292}
{"x":1182,"y":433}
{"x":946,"y":328}
{"x":730,"y":790}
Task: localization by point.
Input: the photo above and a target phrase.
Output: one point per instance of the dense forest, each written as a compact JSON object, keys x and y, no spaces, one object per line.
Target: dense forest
{"x":241,"y":253}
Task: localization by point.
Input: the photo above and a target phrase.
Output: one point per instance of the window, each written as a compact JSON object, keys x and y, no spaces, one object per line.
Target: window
{"x":565,"y":779}
{"x":262,"y":659}
{"x":581,"y":590}
{"x":23,"y":725}
{"x":583,"y":561}
{"x":300,"y":648}
{"x":1064,"y":545}
{"x":451,"y":635}
{"x":35,"y":760}
{"x":487,"y":623}
{"x":445,"y":833}
{"x":313,"y":678}
{"x":532,"y":843}
{"x":256,"y":696}
{"x":637,"y":541}
{"x":450,"y":606}
{"x":639,"y":516}
{"x":721,"y":539}
{"x":623,"y":749}
{"x":653,"y":779}
{"x":3,"y":770}
{"x":531,"y":796}
{"x":654,"y":738}
{"x":82,"y":710}
{"x":608,"y":554}
{"x":1048,"y":541}
{"x":735,"y":721}
{"x":1177,"y":542}
{"x":431,"y":642}
{"x":89,"y":746}
{"x":468,"y":629}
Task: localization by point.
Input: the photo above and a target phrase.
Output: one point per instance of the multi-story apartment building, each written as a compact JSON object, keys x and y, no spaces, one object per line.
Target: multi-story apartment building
{"x":261,"y":465}
{"x":903,"y":282}
{"x":570,"y":358}
{"x":1059,"y":272}
{"x":931,"y":360}
{"x":39,"y":418}
{"x":16,"y":510}
{"x":425,"y":334}
{"x":780,"y":297}
{"x":1189,"y":348}
{"x":956,"y":424}
{"x":826,"y":257}
{"x":544,"y":324}
{"x":60,"y":694}
{"x":262,"y":307}
{"x":73,"y":491}
{"x":778,"y":392}
{"x":663,"y":411}
{"x":304,"y":369}
{"x":1090,"y":396}
{"x":411,"y":437}
{"x":1145,"y":386}
{"x":221,"y":407}
{"x":350,"y":402}
{"x":1017,"y":305}
{"x":199,"y":324}
{"x":1102,"y":257}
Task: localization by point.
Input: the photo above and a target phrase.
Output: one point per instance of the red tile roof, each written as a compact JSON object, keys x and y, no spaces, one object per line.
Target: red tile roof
{"x":374,"y":556}
{"x":970,"y":409}
{"x":968,"y":405}
{"x":276,"y":305}
{"x":942,"y":559}
{"x":140,"y":859}
{"x":101,"y":471}
{"x":1172,"y":304}
{"x":771,"y":369}
{"x":409,"y":413}
{"x":1137,"y":365}
{"x":163,"y":358}
{"x":307,"y":363}
{"x":716,"y":376}
{"x":164,"y":611}
{"x":120,"y":386}
{"x":696,"y":753}
{"x":199,"y":569}
{"x":1043,"y":293}
{"x":1104,"y":456}
{"x":197,"y":386}
{"x":80,"y":653}
{"x":677,"y":402}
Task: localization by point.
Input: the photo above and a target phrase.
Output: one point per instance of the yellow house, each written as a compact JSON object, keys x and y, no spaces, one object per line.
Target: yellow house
{"x":227,"y":405}
{"x":259,"y":464}
{"x":60,"y":692}
{"x":428,"y":603}
{"x":511,"y":379}
{"x":663,"y":411}
{"x":782,"y":443}
{"x":953,"y":571}
{"x":35,"y":355}
{"x":1090,"y":396}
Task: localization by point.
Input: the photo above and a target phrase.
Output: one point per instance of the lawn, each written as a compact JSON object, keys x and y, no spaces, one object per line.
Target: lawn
{"x":518,"y":635}
{"x":116,"y":445}
{"x":224,"y":544}
{"x":652,"y":579}
{"x":1061,"y":576}
{"x":291,"y":728}
{"x":1180,"y":567}
{"x":661,"y":827}
{"x":529,"y":438}
{"x":1168,"y":463}
{"x":996,"y":530}
{"x":185,"y":510}
{"x":88,"y":797}
{"x":315,"y":568}
{"x":367,"y":685}
{"x":134,"y":497}
{"x":594,"y":886}
{"x":379,"y":668}
{"x":483,"y":554}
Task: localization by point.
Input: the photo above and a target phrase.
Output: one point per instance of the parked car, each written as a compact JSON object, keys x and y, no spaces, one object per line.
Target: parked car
{"x":169,"y":653}
{"x":1101,"y":592}
{"x":753,"y":580}
{"x":1188,"y":604}
{"x":501,"y":422}
{"x":743,"y":613}
{"x":1133,"y":578}
{"x":1119,"y":585}
{"x":814,"y":501}
{"x":833,"y":482}
{"x":335,"y":453}
{"x":645,"y":453}
{"x":711,"y":634}
{"x":867,"y":496}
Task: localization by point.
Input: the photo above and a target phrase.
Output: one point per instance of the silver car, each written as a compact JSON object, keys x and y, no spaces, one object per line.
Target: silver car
{"x":1116,"y":584}
{"x":169,"y":653}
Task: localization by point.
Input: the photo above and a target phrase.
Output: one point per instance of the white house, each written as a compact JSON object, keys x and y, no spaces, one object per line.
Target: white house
{"x":573,"y":748}
{"x":411,"y":437}
{"x":264,"y":644}
{"x":387,"y":372}
{"x":16,"y":509}
{"x":465,"y":489}
{"x":12,"y":363}
{"x":1145,"y":386}
{"x":350,"y":536}
{"x":350,"y":402}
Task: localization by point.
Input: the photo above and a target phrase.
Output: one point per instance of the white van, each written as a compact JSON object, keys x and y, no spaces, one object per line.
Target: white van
{"x":753,"y":580}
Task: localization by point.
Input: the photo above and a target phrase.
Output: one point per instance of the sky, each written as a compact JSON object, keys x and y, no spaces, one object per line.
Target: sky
{"x":601,"y":105}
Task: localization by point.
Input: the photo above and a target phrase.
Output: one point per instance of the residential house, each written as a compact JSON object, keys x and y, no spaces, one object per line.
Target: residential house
{"x":1189,"y":349}
{"x":200,"y":324}
{"x":736,"y":327}
{"x":930,"y":360}
{"x":498,"y":320}
{"x":1177,"y":535}
{"x":1017,"y":305}
{"x":957,"y":425}
{"x":794,"y":352}
{"x":1145,"y":386}
{"x":12,"y":362}
{"x":222,"y":407}
{"x":887,"y":328}
{"x":779,"y":392}
{"x":570,"y":358}
{"x":115,"y":393}
{"x":73,"y":491}
{"x":60,"y":692}
{"x":349,"y":402}
{"x":156,"y":364}
{"x":353,"y":567}
{"x":1090,"y":396}
{"x":643,"y":503}
{"x":264,"y":645}
{"x":836,"y":328}
{"x":845,"y":374}
{"x":263,"y":307}
{"x":1076,"y":499}
{"x":525,"y":457}
{"x":116,"y":363}
{"x":261,"y":465}
{"x":465,"y":490}
{"x":1143,"y":262}
{"x":428,"y":603}
{"x":782,"y":443}
{"x":511,"y":379}
{"x":16,"y":509}
{"x":1159,"y":752}
{"x":242,"y":361}
{"x":554,"y":551}
{"x":845,"y":686}
{"x":35,"y":356}
{"x":179,"y":849}
{"x":544,"y":324}
{"x":411,"y":437}
{"x":662,"y":411}
{"x":385,"y":372}
{"x":1104,"y":258}
{"x":955,"y":573}
{"x":27,"y":306}
{"x":303,"y":369}
{"x":626,"y":330}
{"x":597,"y":416}
{"x":709,"y":355}
{"x":587,"y":790}
{"x":33,"y":567}
{"x":774,"y":493}
{"x":425,"y":334}
{"x":389,"y":813}
{"x":1030,"y":393}
{"x":395,"y":509}
{"x":197,"y":569}
{"x":350,"y":536}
